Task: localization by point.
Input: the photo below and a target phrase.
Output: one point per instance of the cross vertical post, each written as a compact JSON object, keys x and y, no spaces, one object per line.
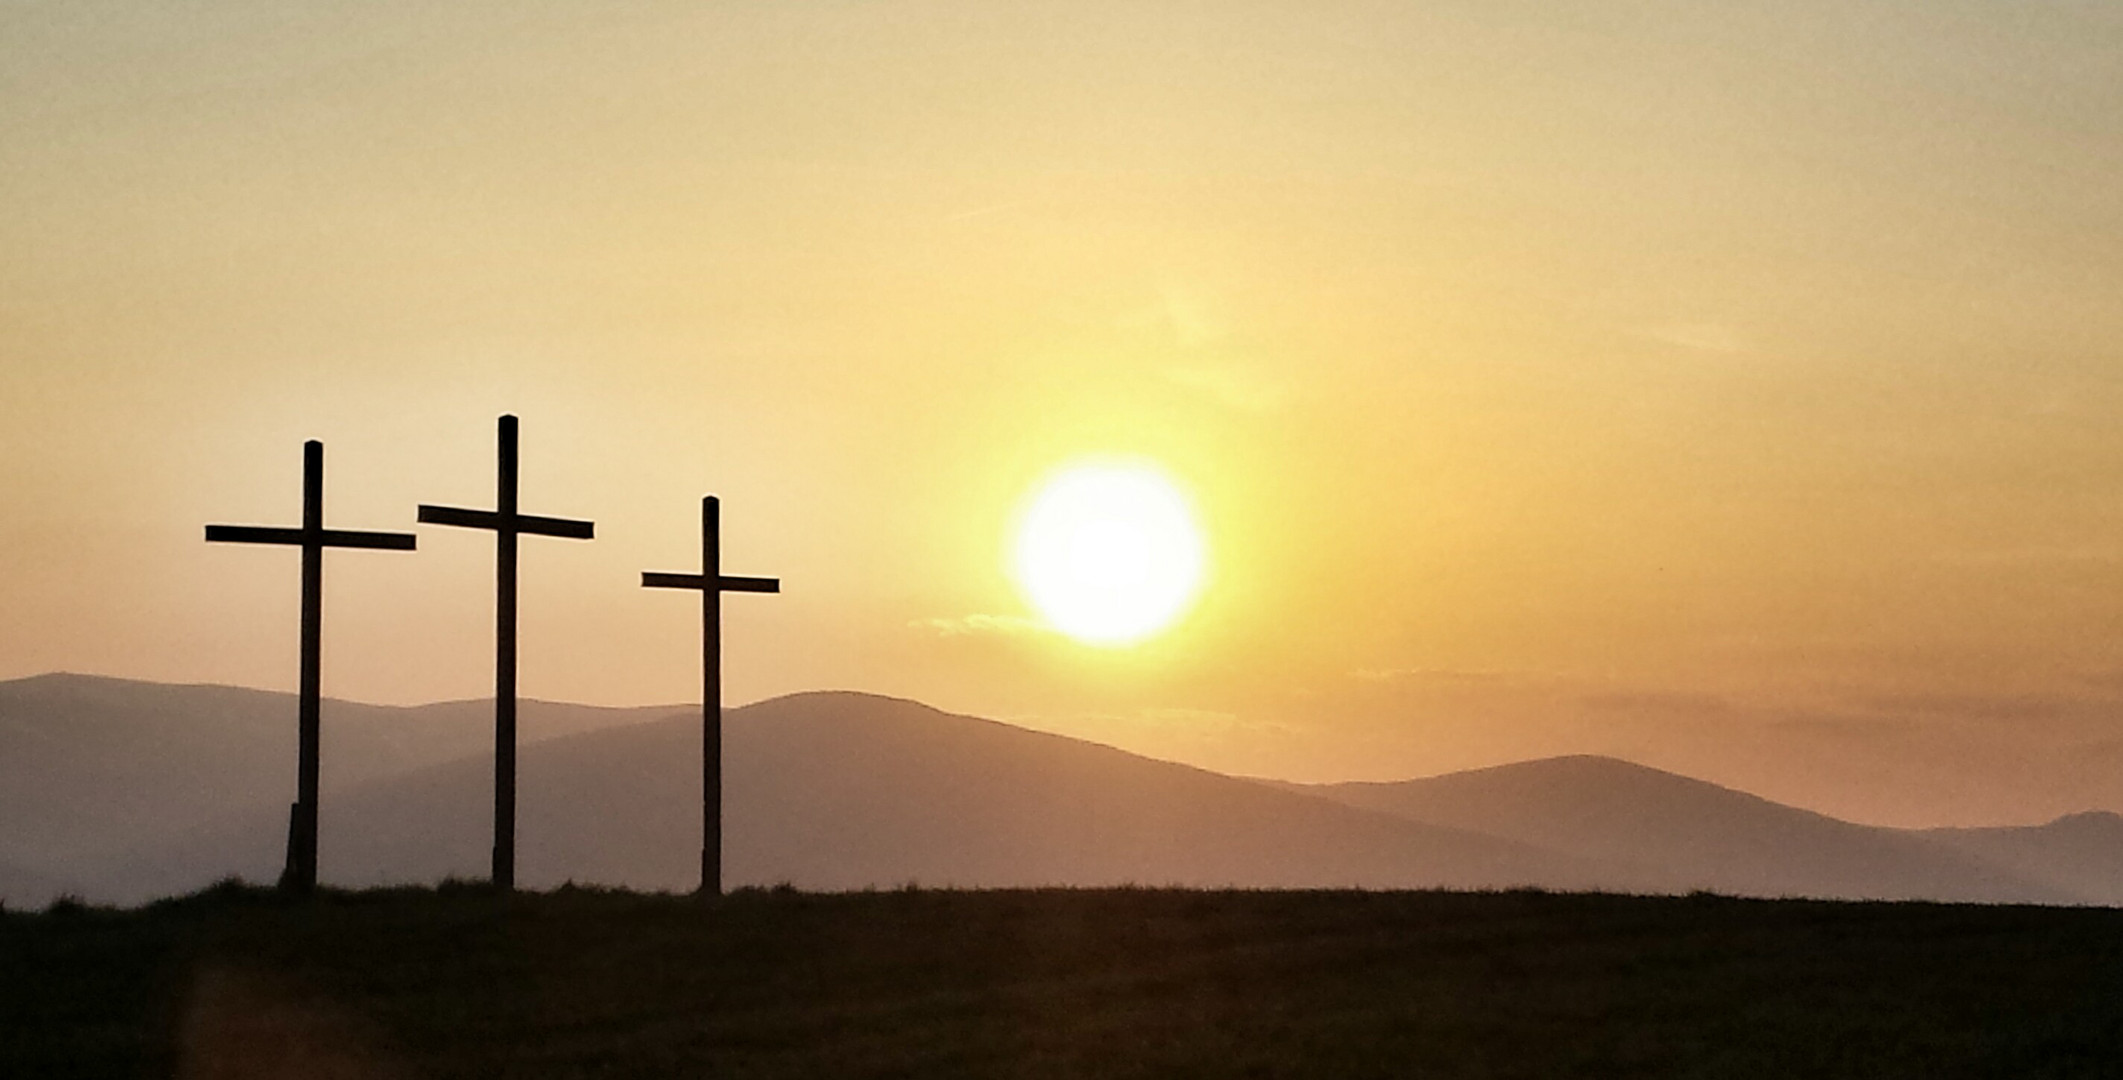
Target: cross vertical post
{"x":504,"y":856}
{"x":711,"y":696}
{"x":712,"y":583}
{"x":299,"y":873}
{"x":302,"y":831}
{"x":508,"y":523}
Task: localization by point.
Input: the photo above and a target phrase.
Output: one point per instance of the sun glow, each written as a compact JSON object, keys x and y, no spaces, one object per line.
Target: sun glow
{"x":1109,"y":553}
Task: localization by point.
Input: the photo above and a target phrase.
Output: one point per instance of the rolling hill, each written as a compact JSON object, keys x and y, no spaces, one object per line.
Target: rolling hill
{"x":95,"y":770}
{"x":1685,"y":834}
{"x":847,"y":791}
{"x":2080,"y":854}
{"x":127,"y":791}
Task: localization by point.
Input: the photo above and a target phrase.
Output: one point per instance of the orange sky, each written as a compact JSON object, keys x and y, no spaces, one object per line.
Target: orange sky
{"x":1734,"y":387}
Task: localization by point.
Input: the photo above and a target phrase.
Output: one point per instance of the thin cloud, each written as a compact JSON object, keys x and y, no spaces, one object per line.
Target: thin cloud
{"x":1699,"y":337}
{"x":1192,"y":315}
{"x":979,"y":212}
{"x":1657,"y":701}
{"x":1235,"y":389}
{"x":1210,"y":725}
{"x":1968,"y":706}
{"x":2087,"y":553}
{"x":978,"y":624}
{"x":1421,"y":674}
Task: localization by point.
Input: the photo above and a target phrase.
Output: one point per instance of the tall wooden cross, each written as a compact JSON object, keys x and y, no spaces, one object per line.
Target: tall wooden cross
{"x":299,"y":874}
{"x":712,"y":583}
{"x":507,"y":524}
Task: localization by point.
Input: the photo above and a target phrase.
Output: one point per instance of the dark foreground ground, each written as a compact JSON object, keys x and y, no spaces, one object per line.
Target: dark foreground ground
{"x":1058,"y":984}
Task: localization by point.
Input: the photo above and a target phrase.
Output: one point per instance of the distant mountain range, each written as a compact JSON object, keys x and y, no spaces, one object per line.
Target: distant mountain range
{"x":122,"y":791}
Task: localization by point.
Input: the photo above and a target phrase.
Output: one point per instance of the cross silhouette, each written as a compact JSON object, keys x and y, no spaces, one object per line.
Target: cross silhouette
{"x":507,"y":525}
{"x":299,"y":873}
{"x":712,"y":583}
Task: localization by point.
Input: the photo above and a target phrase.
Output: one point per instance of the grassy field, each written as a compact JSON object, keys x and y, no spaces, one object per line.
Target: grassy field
{"x":1113,"y":983}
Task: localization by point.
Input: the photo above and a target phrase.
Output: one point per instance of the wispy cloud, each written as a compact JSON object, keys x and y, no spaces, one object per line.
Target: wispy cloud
{"x":1968,"y":706}
{"x":1190,"y":315}
{"x":967,"y":625}
{"x":1658,"y":701}
{"x":1241,"y":390}
{"x":1423,"y":674}
{"x":1700,"y":337}
{"x":1210,"y":725}
{"x":979,"y":212}
{"x":1212,"y":722}
{"x":2084,"y":553}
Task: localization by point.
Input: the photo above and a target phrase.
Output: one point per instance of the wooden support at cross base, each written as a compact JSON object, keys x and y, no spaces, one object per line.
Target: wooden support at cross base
{"x":299,"y":872}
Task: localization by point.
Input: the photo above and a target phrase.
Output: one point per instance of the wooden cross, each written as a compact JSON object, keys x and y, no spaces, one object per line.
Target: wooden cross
{"x":507,"y":524}
{"x":712,"y":583}
{"x":299,"y":873}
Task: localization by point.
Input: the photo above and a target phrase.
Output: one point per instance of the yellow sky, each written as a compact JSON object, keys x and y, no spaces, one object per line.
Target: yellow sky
{"x":1543,"y":372}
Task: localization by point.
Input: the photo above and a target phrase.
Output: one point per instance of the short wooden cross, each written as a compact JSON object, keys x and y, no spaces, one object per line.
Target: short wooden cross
{"x":299,"y":874}
{"x":712,"y":583}
{"x":507,"y":525}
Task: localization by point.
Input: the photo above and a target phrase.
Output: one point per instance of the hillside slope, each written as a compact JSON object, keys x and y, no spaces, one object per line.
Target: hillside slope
{"x":2079,"y":853}
{"x":127,"y":791}
{"x":94,"y":769}
{"x":842,"y":790}
{"x":1687,"y":834}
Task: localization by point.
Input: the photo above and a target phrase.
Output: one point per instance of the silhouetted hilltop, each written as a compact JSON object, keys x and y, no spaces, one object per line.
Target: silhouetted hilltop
{"x":2081,"y":854}
{"x":1688,"y":834}
{"x":846,"y":790}
{"x":125,"y":791}
{"x":98,"y":774}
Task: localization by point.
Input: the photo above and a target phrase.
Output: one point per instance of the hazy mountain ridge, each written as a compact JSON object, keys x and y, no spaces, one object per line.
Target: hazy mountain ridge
{"x":847,"y":790}
{"x":2079,"y":853}
{"x":1691,"y":834}
{"x":93,"y":767}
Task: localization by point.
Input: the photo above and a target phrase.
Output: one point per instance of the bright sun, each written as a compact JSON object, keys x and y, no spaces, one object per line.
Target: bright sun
{"x":1109,"y":552}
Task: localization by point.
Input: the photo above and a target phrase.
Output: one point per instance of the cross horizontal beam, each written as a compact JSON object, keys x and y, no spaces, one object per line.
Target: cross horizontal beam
{"x":523,"y":523}
{"x":341,"y":538}
{"x":653,"y":580}
{"x":299,"y":873}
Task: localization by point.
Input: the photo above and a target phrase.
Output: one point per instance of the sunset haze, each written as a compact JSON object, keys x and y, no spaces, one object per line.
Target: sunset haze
{"x":1732,"y":389}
